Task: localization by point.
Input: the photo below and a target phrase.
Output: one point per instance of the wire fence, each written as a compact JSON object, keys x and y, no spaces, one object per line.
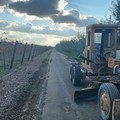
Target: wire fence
{"x":13,"y":54}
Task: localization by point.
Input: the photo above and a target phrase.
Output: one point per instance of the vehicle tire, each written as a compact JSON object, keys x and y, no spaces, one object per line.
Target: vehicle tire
{"x":71,"y":70}
{"x":106,"y":95}
{"x":76,"y":74}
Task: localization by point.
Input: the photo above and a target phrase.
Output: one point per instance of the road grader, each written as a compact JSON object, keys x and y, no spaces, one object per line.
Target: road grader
{"x":101,"y":65}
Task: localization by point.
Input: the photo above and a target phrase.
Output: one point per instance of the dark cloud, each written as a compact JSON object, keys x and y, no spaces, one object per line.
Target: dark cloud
{"x":74,"y":17}
{"x":4,"y":2}
{"x":45,"y":8}
{"x":40,"y":8}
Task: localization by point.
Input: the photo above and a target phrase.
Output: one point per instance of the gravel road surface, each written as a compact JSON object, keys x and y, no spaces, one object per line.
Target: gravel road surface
{"x":59,"y":103}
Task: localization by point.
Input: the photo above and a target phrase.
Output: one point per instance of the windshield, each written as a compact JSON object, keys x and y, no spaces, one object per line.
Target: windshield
{"x":104,"y":37}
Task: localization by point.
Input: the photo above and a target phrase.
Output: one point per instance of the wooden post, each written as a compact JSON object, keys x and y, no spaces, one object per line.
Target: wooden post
{"x":30,"y":52}
{"x":13,"y":56}
{"x":24,"y":51}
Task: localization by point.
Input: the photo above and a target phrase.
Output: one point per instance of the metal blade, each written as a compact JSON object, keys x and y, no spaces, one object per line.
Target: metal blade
{"x":85,"y":93}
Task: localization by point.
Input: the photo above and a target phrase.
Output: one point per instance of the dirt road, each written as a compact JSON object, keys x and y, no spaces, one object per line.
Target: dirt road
{"x":59,"y":104}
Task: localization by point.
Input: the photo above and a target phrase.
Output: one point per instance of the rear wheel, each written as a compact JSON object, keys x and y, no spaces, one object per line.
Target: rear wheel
{"x":106,"y":95}
{"x":76,"y":74}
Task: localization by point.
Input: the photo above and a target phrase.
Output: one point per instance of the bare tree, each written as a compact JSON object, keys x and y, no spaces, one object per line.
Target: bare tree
{"x":116,"y":10}
{"x":107,"y":20}
{"x":74,"y":47}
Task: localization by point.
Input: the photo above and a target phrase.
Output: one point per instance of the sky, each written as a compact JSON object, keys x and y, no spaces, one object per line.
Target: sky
{"x":47,"y":22}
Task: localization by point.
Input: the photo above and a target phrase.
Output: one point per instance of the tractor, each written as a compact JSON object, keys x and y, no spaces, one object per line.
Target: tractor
{"x":101,"y":65}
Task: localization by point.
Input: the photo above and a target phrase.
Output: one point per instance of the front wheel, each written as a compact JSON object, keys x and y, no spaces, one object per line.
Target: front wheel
{"x":106,"y":95}
{"x":76,"y":74}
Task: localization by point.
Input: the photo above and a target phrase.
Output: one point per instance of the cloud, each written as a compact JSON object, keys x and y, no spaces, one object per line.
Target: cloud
{"x":56,"y":31}
{"x":41,"y":8}
{"x":29,"y":28}
{"x":25,"y":27}
{"x":91,"y":20}
{"x":53,"y":9}
{"x":74,"y":13}
{"x":74,"y":17}
{"x":4,"y":24}
{"x":40,"y":39}
{"x":4,"y":2}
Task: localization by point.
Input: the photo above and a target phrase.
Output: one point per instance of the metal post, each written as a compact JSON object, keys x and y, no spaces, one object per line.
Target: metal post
{"x":24,"y":51}
{"x":13,"y":56}
{"x":36,"y":51}
{"x":30,"y":52}
{"x":33,"y":55}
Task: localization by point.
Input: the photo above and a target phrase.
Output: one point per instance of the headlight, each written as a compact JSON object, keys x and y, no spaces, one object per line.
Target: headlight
{"x":117,"y":69}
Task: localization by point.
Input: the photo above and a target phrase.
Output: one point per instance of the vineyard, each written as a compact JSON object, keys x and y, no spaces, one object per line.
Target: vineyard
{"x":13,"y":54}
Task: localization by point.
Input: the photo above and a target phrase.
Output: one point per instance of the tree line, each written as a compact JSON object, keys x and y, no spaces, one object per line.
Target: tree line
{"x":73,"y":47}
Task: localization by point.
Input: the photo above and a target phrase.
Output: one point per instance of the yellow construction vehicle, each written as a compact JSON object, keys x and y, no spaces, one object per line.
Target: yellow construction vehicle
{"x":101,"y":65}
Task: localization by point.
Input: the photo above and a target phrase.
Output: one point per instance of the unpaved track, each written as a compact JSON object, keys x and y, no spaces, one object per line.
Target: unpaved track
{"x":59,"y":104}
